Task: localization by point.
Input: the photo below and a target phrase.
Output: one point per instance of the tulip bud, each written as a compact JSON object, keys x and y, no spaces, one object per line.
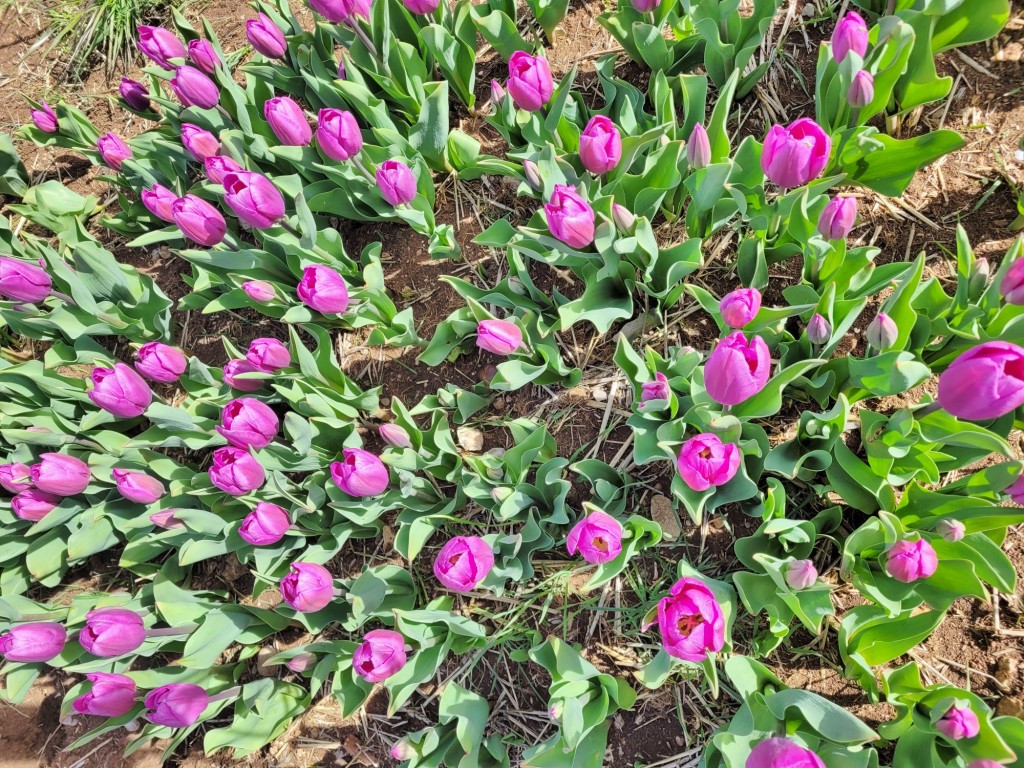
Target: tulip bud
{"x":198,"y":220}
{"x":135,"y":94}
{"x":60,"y":474}
{"x":959,"y":722}
{"x":338,"y":134}
{"x":380,"y":655}
{"x":463,"y":563}
{"x":882,"y":332}
{"x":159,"y":201}
{"x":248,"y":423}
{"x":44,"y":118}
{"x":21,"y":281}
{"x":645,"y":6}
{"x":194,"y":88}
{"x":570,"y":217}
{"x":705,"y":461}
{"x":597,"y":537}
{"x":395,"y":435}
{"x":862,"y":90}
{"x":138,"y":486}
{"x":498,"y":92}
{"x":698,"y":147}
{"x":780,"y":752}
{"x":307,"y":588}
{"x":907,"y":561}
{"x":15,"y":477}
{"x":200,"y":144}
{"x":259,"y":291}
{"x":951,"y":530}
{"x":176,"y":705}
{"x":236,"y":471}
{"x":265,"y":525}
{"x":360,"y":473}
{"x":796,"y":154}
{"x":600,"y":145}
{"x":529,"y":81}
{"x":421,"y":7}
{"x":301,"y":663}
{"x":203,"y":55}
{"x":984,"y":382}
{"x":532,"y":172}
{"x":288,"y":121}
{"x":33,"y":505}
{"x":166,"y":519}
{"x":112,"y":150}
{"x":323,"y":290}
{"x":1011,"y":288}
{"x":342,"y":74}
{"x":253,"y":198}
{"x":110,"y":632}
{"x":1016,"y":491}
{"x":501,"y":337}
{"x":120,"y":391}
{"x":341,"y":11}
{"x":985,"y":764}
{"x":737,"y":369}
{"x":160,"y":46}
{"x":396,"y":182}
{"x":160,"y":362}
{"x":850,"y":34}
{"x":265,"y":36}
{"x":623,"y":218}
{"x":818,"y":330}
{"x":740,"y":307}
{"x":402,"y":751}
{"x":234,"y":368}
{"x":110,"y":696}
{"x":838,"y":217}
{"x":979,"y":277}
{"x":801,"y":574}
{"x":33,"y":643}
{"x":219,"y":166}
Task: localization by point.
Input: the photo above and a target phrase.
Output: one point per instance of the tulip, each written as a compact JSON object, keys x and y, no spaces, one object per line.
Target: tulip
{"x":308,"y":587}
{"x":623,"y":218}
{"x":166,"y":519}
{"x":160,"y":46}
{"x":463,"y":563}
{"x":907,"y":561}
{"x":402,"y":751}
{"x":33,"y":505}
{"x":795,"y":155}
{"x":421,"y":7}
{"x":838,"y":217}
{"x":862,"y":90}
{"x":203,"y":56}
{"x":199,"y":143}
{"x":21,"y":281}
{"x":818,"y":330}
{"x":176,"y":705}
{"x":194,"y":88}
{"x":655,"y":391}
{"x":265,"y":36}
{"x":985,"y":764}
{"x":532,"y":173}
{"x":360,"y":473}
{"x":33,"y":643}
{"x":570,"y":217}
{"x":232,"y":371}
{"x":198,"y":220}
{"x":120,"y":391}
{"x":265,"y":525}
{"x":301,"y":663}
{"x":882,"y":333}
{"x":112,"y":632}
{"x":254,"y":199}
{"x":341,"y":67}
{"x":740,"y":306}
{"x":44,"y":118}
{"x":1012,"y":286}
{"x":959,"y":722}
{"x":248,"y":423}
{"x":138,"y":486}
{"x":112,"y":150}
{"x":529,"y":81}
{"x":160,"y":362}
{"x":338,"y":134}
{"x":396,"y":182}
{"x":323,"y":289}
{"x":393,"y":434}
{"x":597,"y":537}
{"x":236,"y":471}
{"x":978,"y":278}
{"x":780,"y":752}
{"x":159,"y":201}
{"x":737,"y":369}
{"x":288,"y":121}
{"x":951,"y":530}
{"x":259,"y":290}
{"x":850,"y":34}
{"x":705,"y":461}
{"x":801,"y":574}
{"x":698,"y":148}
{"x":985,"y":382}
{"x":341,"y":11}
{"x":110,"y":696}
{"x":379,"y":656}
{"x":1016,"y":491}
{"x":600,"y":145}
{"x":502,"y":337}
{"x":15,"y":477}
{"x":498,"y":92}
{"x":219,"y":166}
{"x":60,"y":474}
{"x":690,"y":621}
{"x":135,"y":94}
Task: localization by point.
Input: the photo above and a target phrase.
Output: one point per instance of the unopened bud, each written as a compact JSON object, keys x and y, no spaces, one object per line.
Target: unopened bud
{"x":818,"y":329}
{"x":698,"y":148}
{"x":532,"y":173}
{"x":882,"y":332}
{"x":951,"y":530}
{"x":623,"y":218}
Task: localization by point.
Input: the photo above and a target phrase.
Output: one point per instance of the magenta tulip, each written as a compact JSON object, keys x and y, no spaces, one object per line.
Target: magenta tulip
{"x":265,"y":525}
{"x":110,"y":632}
{"x":908,"y":561}
{"x":740,"y":306}
{"x":801,"y":574}
{"x":529,"y":81}
{"x":248,"y":423}
{"x":597,"y":537}
{"x":308,"y":587}
{"x":198,"y":220}
{"x":135,"y":94}
{"x":24,"y":282}
{"x":392,"y":434}
{"x":44,"y":118}
{"x":236,"y":471}
{"x":698,"y":147}
{"x":951,"y":530}
{"x":570,"y":217}
{"x":159,"y":201}
{"x":705,"y":461}
{"x":379,"y":656}
{"x":959,"y":722}
{"x":862,"y":90}
{"x":1016,"y":491}
{"x":690,"y":621}
{"x":110,"y":696}
{"x":984,"y":382}
{"x":780,"y":752}
{"x":737,"y":369}
{"x":233,"y":369}
{"x":33,"y":643}
{"x":288,"y":121}
{"x":253,"y":198}
{"x":138,"y":486}
{"x":120,"y":391}
{"x":166,"y":519}
{"x":421,"y":7}
{"x":655,"y":391}
{"x":194,"y":88}
{"x":160,"y":46}
{"x":176,"y":705}
{"x":985,"y":764}
{"x":112,"y":150}
{"x":338,"y":134}
{"x":600,"y":145}
{"x":1011,"y":288}
{"x":396,"y":182}
{"x":341,"y":11}
{"x":160,"y":362}
{"x":850,"y":34}
{"x":360,"y":473}
{"x":794,"y":155}
{"x":265,"y":36}
{"x":269,"y":355}
{"x":33,"y":505}
{"x":219,"y":166}
{"x":15,"y":477}
{"x":838,"y":217}
{"x":259,"y":290}
{"x":203,"y":55}
{"x":501,"y":337}
{"x":645,"y":6}
{"x":60,"y":474}
{"x":323,"y":290}
{"x":200,"y":143}
{"x":463,"y":563}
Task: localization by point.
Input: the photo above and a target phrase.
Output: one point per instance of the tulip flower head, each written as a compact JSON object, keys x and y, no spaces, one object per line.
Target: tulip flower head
{"x":338,"y":134}
{"x":502,"y":337}
{"x":33,"y":643}
{"x":862,"y":90}
{"x":253,"y":198}
{"x":740,"y":306}
{"x":908,"y":561}
{"x":323,"y":290}
{"x":120,"y":391}
{"x":110,"y":696}
{"x":737,"y":369}
{"x":882,"y":332}
{"x":985,"y":382}
{"x":951,"y":530}
{"x":850,"y":34}
{"x":1012,"y":286}
{"x":160,"y":362}
{"x":819,"y":331}
{"x":796,"y":154}
{"x":113,"y":150}
{"x":360,"y":473}
{"x":233,"y":369}
{"x":259,"y":290}
{"x":780,"y":752}
{"x":266,"y":37}
{"x":160,"y":45}
{"x":159,"y":201}
{"x":265,"y":525}
{"x":33,"y":505}
{"x":341,"y":11}
{"x":288,"y":121}
{"x":600,"y":145}
{"x":698,"y":147}
{"x":801,"y":574}
{"x":838,"y":217}
{"x":166,"y":519}
{"x":176,"y":705}
{"x":194,"y":88}
{"x":200,"y":143}
{"x":138,"y":486}
{"x":269,"y":355}
{"x":597,"y":537}
{"x":463,"y":563}
{"x":15,"y":477}
{"x":219,"y":166}
{"x":529,"y":81}
{"x":396,"y":182}
{"x":1016,"y":491}
{"x":690,"y":621}
{"x":395,"y":435}
{"x":135,"y":94}
{"x":623,"y":218}
{"x":44,"y":118}
{"x":236,"y":471}
{"x":60,"y":474}
{"x":198,"y":220}
{"x":570,"y":217}
{"x":655,"y":391}
{"x":110,"y":632}
{"x":421,"y":7}
{"x":248,"y":423}
{"x":203,"y":55}
{"x":379,"y":656}
{"x":308,"y":587}
{"x":705,"y":461}
{"x":959,"y":722}
{"x":23,"y":282}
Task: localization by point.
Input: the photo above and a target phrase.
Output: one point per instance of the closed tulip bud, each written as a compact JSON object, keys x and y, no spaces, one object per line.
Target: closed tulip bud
{"x":120,"y":391}
{"x":984,"y":382}
{"x":570,"y":217}
{"x":265,"y":36}
{"x":421,"y":7}
{"x":623,"y":218}
{"x":740,"y":306}
{"x":138,"y":486}
{"x":198,"y":220}
{"x":259,"y":291}
{"x":160,"y":46}
{"x":794,"y":155}
{"x":597,"y":537}
{"x":342,"y":73}
{"x":323,"y":290}
{"x":166,"y":519}
{"x":959,"y":722}
{"x":176,"y":705}
{"x":21,"y":281}
{"x":110,"y":632}
{"x":308,"y":587}
{"x":501,"y":337}
{"x":33,"y":643}
{"x":236,"y":471}
{"x":532,"y":172}
{"x":395,"y":435}
{"x":951,"y":530}
{"x":338,"y":134}
{"x":194,"y":88}
{"x":379,"y":656}
{"x":801,"y":574}
{"x":979,"y":277}
{"x":112,"y":150}
{"x":1011,"y":288}
{"x":882,"y":332}
{"x":655,"y":391}
{"x":818,"y":330}
{"x":203,"y":56}
{"x":159,"y":201}
{"x":219,"y":166}
{"x":862,"y":90}
{"x":360,"y":473}
{"x":402,"y":751}
{"x":232,"y":376}
{"x":288,"y":121}
{"x":907,"y":561}
{"x":645,"y":6}
{"x":600,"y":145}
{"x":44,"y":118}
{"x":529,"y":81}
{"x":690,"y":620}
{"x":838,"y":217}
{"x":698,"y":147}
{"x":705,"y":461}
{"x":200,"y":143}
{"x":301,"y":663}
{"x":737,"y":369}
{"x":248,"y":423}
{"x":780,"y":752}
{"x":1016,"y":491}
{"x":110,"y":696}
{"x":341,"y":11}
{"x":135,"y":94}
{"x":850,"y":34}
{"x":15,"y":477}
{"x":498,"y":92}
{"x":265,"y":525}
{"x":60,"y":474}
{"x":463,"y":563}
{"x":33,"y":505}
{"x":160,"y":362}
{"x":396,"y":182}
{"x":253,"y":198}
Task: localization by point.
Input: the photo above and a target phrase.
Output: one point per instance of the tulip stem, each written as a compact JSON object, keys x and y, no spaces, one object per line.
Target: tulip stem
{"x":231,"y":243}
{"x":363,"y":169}
{"x":63,"y":297}
{"x":168,"y":631}
{"x":228,"y":694}
{"x":361,"y":34}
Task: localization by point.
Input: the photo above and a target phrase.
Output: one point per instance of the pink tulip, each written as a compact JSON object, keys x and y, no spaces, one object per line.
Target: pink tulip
{"x":253,"y":198}
{"x":463,"y":563}
{"x":308,"y":587}
{"x":160,"y":362}
{"x":1012,"y":286}
{"x":600,"y":145}
{"x":110,"y":696}
{"x":818,"y":330}
{"x":655,"y":391}
{"x":690,"y":621}
{"x":33,"y":643}
{"x":838,"y":217}
{"x":44,"y":118}
{"x":266,"y":37}
{"x":60,"y":474}
{"x":233,"y":370}
{"x":194,"y":88}
{"x":421,"y":7}
{"x":985,"y":764}
{"x":908,"y":561}
{"x":597,"y":537}
{"x":341,"y":11}
{"x":23,"y":282}
{"x":288,"y":121}
{"x":203,"y":55}
{"x":396,"y":182}
{"x":200,"y":143}
{"x":265,"y":525}
{"x":166,"y":519}
{"x":338,"y":134}
{"x":360,"y":473}
{"x":198,"y":220}
{"x":15,"y":477}
{"x":301,"y":663}
{"x":159,"y":201}
{"x":801,"y":574}
{"x":623,"y":218}
{"x":33,"y":505}
{"x":120,"y":391}
{"x":529,"y":81}
{"x":379,"y":656}
{"x":269,"y":355}
{"x":392,"y":434}
{"x":794,"y":155}
{"x":984,"y":382}
{"x":259,"y":291}
{"x":951,"y":530}
{"x":138,"y":486}
{"x":862,"y":90}
{"x":112,"y":150}
{"x":959,"y":722}
{"x":176,"y":705}
{"x":740,"y":306}
{"x":219,"y":166}
{"x":698,"y":147}
{"x":502,"y":337}
{"x":850,"y":34}
{"x":110,"y":632}
{"x":160,"y":46}
{"x":737,"y":369}
{"x":780,"y":752}
{"x":248,"y":423}
{"x":323,"y":290}
{"x":882,"y":333}
{"x":135,"y":94}
{"x":235,"y":471}
{"x":705,"y":461}
{"x":570,"y":217}
{"x":1016,"y":491}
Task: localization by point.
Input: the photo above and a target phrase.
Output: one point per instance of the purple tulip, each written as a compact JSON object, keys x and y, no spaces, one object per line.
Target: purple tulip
{"x":160,"y":46}
{"x":907,"y":561}
{"x":265,"y":525}
{"x":360,"y":473}
{"x":254,"y":199}
{"x":33,"y":505}
{"x":597,"y":537}
{"x":396,"y":182}
{"x":501,"y":337}
{"x":421,"y":7}
{"x":882,"y":332}
{"x":1016,"y":491}
{"x":801,"y":574}
{"x":110,"y":696}
{"x":380,"y":655}
{"x":234,"y":368}
{"x":600,"y":145}
{"x":15,"y":477}
{"x":138,"y":486}
{"x":795,"y":155}
{"x":265,"y":36}
{"x":44,"y":118}
{"x":690,"y":621}
{"x":338,"y":134}
{"x":850,"y":34}
{"x":203,"y":56}
{"x":570,"y":217}
{"x":60,"y":474}
{"x":780,"y":752}
{"x":160,"y":362}
{"x":392,"y":434}
{"x":110,"y":632}
{"x":740,"y":306}
{"x":308,"y":587}
{"x":984,"y":382}
{"x":200,"y":144}
{"x":236,"y":471}
{"x":120,"y":391}
{"x":862,"y":90}
{"x":951,"y":530}
{"x":342,"y":73}
{"x":135,"y":94}
{"x":198,"y":220}
{"x":463,"y":563}
{"x":323,"y":290}
{"x":194,"y":88}
{"x":166,"y":519}
{"x":268,"y":355}
{"x":838,"y":217}
{"x":705,"y":461}
{"x":288,"y":121}
{"x":818,"y":330}
{"x":219,"y":166}
{"x":176,"y":705}
{"x":259,"y":290}
{"x":529,"y":81}
{"x":655,"y":391}
{"x":33,"y":643}
{"x":737,"y":369}
{"x":24,"y":282}
{"x":248,"y":423}
{"x":959,"y":722}
{"x":112,"y":150}
{"x":159,"y":201}
{"x":341,"y":11}
{"x":1011,"y":288}
{"x":698,"y":147}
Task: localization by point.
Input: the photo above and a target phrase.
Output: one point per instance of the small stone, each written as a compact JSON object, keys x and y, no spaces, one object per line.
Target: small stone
{"x":600,"y":394}
{"x":665,"y":515}
{"x":470,"y":439}
{"x":262,"y":657}
{"x":1010,"y":706}
{"x":1006,"y":668}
